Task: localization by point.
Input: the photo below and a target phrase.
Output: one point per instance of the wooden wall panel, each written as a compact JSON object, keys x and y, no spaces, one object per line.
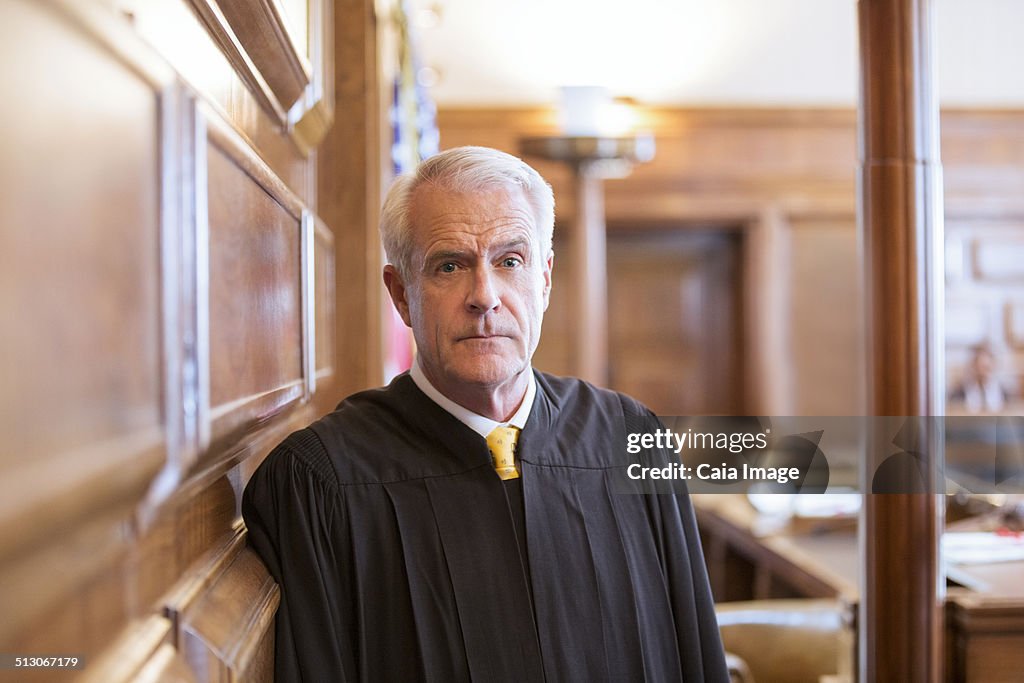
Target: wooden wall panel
{"x":823,"y":317}
{"x":225,"y":620}
{"x":554,"y":353}
{"x":677,"y":348}
{"x":985,"y":638}
{"x":82,"y":257}
{"x":81,"y":403}
{"x":159,"y":278}
{"x":180,"y":33}
{"x":145,"y":653}
{"x":255,"y":297}
{"x":351,"y":163}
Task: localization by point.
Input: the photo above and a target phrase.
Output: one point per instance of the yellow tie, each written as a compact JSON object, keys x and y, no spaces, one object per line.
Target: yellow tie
{"x":502,"y":444}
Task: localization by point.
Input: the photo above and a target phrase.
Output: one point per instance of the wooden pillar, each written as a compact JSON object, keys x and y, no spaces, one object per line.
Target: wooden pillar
{"x":588,"y":247}
{"x":900,"y":637}
{"x":348,"y":200}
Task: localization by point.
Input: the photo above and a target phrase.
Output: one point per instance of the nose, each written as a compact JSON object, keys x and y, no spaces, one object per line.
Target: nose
{"x":483,"y":294}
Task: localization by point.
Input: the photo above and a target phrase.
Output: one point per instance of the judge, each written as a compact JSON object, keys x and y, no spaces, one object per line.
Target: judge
{"x":464,"y":523}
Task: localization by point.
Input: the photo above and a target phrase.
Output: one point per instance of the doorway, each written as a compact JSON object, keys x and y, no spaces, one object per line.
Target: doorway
{"x":676,"y":333}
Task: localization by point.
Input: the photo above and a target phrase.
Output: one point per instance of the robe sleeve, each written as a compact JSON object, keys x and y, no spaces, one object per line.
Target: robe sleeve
{"x":691,"y":590}
{"x":292,"y":510}
{"x":699,"y":640}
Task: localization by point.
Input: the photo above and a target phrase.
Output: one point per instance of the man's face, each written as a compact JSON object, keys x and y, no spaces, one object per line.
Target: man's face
{"x":477,"y":287}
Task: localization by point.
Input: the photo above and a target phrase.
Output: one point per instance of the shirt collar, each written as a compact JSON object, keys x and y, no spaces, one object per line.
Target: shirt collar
{"x":478,"y":423}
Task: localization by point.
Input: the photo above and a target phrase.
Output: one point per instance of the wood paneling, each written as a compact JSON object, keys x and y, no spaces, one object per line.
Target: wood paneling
{"x":759,"y":174}
{"x":144,"y":652}
{"x":314,"y":115}
{"x":787,"y":176}
{"x":986,"y":640}
{"x":261,"y":31}
{"x":823,"y":314}
{"x":161,"y":270}
{"x":225,"y":618}
{"x":255,"y":293}
{"x":80,"y":244}
{"x":676,"y":348}
{"x":83,"y":389}
{"x":181,"y":37}
{"x":352,"y":162}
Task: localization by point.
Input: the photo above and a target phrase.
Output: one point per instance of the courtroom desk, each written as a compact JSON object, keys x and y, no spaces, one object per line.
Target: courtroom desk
{"x":985,"y":619}
{"x":751,"y":557}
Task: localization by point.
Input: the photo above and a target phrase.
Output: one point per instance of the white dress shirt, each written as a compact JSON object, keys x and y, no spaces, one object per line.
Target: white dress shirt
{"x":478,"y":423}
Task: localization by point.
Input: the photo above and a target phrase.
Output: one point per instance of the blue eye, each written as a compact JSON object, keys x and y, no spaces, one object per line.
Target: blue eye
{"x":511,"y":262}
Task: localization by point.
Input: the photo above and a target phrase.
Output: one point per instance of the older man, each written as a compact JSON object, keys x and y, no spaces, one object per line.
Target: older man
{"x":462,"y":523}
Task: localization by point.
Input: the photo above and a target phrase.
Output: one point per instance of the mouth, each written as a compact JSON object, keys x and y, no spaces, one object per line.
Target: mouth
{"x":482,"y":337}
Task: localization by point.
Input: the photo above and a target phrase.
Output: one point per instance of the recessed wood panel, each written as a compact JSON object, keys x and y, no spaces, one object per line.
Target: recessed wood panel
{"x":675,"y":330}
{"x":81,"y":248}
{"x":255,"y":295}
{"x":82,"y":389}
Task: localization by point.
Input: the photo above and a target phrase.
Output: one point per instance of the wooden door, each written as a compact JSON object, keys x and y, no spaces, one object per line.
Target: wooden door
{"x":675,"y":332}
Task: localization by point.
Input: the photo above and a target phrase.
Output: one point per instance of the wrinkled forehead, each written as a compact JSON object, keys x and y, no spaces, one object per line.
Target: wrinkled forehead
{"x":435,"y":207}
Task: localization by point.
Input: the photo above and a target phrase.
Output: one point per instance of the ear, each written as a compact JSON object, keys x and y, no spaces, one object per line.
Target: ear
{"x":548,"y":264}
{"x":399,"y":293}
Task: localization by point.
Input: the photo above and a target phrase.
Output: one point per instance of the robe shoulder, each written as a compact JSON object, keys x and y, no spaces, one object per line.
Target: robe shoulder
{"x":293,"y":512}
{"x":296,"y":475}
{"x":573,"y":394}
{"x":397,"y":433}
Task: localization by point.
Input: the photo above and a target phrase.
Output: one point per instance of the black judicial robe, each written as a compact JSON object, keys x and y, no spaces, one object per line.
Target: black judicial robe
{"x":396,"y":548}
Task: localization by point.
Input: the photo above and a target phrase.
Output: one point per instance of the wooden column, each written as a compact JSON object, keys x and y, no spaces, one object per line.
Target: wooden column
{"x":588,"y":247}
{"x":348,"y":194}
{"x":900,"y":636}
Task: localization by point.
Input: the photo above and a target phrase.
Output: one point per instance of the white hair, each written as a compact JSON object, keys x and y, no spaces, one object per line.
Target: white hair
{"x":462,"y":169}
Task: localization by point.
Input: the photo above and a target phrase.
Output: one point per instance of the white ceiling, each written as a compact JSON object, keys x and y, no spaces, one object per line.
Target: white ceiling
{"x":702,"y":52}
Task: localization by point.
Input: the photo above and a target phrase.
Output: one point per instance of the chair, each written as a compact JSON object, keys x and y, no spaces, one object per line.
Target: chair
{"x":783,"y":641}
